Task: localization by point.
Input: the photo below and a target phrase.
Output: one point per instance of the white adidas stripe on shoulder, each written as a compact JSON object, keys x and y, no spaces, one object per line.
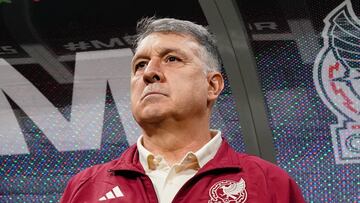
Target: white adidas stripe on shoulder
{"x":112,"y":194}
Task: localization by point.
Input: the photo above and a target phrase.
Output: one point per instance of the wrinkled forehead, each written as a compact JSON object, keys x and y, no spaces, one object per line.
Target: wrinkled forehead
{"x":168,"y":41}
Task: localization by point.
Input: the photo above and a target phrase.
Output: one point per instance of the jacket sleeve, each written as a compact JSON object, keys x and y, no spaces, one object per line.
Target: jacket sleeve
{"x":69,"y":191}
{"x":282,"y":187}
{"x":72,"y":187}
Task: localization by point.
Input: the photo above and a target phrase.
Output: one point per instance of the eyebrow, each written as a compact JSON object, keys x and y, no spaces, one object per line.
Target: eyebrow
{"x":164,"y":51}
{"x":161,"y":52}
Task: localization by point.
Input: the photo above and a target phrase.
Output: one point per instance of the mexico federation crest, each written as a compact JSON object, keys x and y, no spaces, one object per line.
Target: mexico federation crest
{"x":228,"y":191}
{"x":337,"y":80}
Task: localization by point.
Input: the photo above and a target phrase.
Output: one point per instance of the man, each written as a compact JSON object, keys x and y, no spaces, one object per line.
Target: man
{"x":175,"y":82}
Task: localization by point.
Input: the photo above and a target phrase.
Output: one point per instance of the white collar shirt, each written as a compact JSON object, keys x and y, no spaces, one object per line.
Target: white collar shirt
{"x":168,"y":180}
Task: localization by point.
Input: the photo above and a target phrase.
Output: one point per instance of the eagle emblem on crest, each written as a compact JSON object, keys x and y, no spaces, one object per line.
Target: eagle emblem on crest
{"x":228,"y":191}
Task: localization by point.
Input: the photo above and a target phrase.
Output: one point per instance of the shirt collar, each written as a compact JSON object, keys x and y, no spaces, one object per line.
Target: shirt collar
{"x":198,"y":158}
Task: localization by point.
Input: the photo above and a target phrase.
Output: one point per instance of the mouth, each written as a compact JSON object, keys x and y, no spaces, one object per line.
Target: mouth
{"x":152,"y":93}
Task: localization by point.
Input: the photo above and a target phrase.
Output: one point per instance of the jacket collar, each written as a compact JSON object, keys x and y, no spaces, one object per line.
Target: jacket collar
{"x":225,"y":158}
{"x":129,"y":161}
{"x":198,"y":159}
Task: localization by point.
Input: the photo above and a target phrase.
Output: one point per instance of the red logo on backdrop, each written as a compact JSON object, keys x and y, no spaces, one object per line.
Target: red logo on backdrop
{"x":228,"y":191}
{"x":337,"y":80}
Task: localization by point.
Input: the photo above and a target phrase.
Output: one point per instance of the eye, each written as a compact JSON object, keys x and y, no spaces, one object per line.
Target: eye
{"x":172,"y":59}
{"x":140,"y":65}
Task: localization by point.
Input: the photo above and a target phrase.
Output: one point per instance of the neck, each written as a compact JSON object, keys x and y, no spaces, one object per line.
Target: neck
{"x":173,"y":140}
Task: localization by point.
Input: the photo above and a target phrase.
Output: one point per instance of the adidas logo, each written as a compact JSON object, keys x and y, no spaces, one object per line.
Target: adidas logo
{"x":114,"y":193}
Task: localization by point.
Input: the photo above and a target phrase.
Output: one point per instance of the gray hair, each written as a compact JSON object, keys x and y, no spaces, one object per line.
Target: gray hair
{"x":210,"y":54}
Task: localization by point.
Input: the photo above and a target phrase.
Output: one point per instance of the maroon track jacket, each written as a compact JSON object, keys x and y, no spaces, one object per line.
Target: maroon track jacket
{"x":229,"y":177}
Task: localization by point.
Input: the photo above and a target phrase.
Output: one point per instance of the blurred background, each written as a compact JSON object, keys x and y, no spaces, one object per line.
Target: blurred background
{"x":292,"y":88}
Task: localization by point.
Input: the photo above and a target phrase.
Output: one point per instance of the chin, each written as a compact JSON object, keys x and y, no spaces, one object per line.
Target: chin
{"x":143,"y":121}
{"x":151,"y":116}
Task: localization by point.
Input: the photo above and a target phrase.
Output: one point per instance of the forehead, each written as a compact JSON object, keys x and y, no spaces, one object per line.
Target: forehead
{"x":159,"y":41}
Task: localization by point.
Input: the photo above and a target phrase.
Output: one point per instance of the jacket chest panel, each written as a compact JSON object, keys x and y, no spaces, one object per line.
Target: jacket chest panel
{"x":116,"y":189}
{"x":231,"y":188}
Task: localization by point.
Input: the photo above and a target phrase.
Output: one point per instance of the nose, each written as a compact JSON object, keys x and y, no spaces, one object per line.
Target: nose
{"x":153,"y":73}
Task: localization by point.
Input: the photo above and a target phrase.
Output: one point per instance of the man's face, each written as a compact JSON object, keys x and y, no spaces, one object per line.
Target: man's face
{"x":168,"y":79}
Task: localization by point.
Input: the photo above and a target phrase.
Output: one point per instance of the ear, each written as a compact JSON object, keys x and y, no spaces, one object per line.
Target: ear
{"x":216,"y":85}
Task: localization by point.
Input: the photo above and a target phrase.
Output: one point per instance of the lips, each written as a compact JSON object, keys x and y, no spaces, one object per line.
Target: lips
{"x":151,"y":93}
{"x":154,"y":89}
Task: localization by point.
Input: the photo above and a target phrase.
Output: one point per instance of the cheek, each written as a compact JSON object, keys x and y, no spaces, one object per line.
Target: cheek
{"x":195,"y":91}
{"x":136,"y":89}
